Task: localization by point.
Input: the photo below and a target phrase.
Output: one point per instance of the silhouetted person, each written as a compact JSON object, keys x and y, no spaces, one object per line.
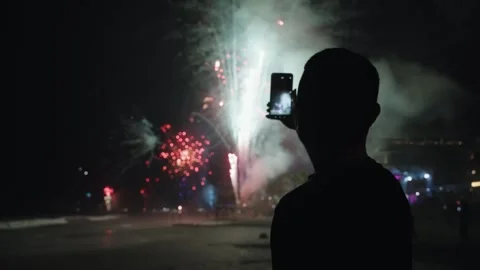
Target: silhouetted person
{"x":352,"y":212}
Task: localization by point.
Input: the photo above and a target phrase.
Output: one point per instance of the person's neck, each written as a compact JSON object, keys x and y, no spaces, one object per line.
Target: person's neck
{"x":345,"y":155}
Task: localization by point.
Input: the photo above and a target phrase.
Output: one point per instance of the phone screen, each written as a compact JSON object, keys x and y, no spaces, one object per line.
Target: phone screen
{"x":280,"y":98}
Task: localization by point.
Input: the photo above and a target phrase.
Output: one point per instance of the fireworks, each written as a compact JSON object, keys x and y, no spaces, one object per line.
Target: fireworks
{"x":238,"y":103}
{"x":240,"y":43}
{"x":232,"y":159}
{"x":137,"y":140}
{"x":185,"y":155}
{"x":240,"y":62}
{"x":141,"y":138}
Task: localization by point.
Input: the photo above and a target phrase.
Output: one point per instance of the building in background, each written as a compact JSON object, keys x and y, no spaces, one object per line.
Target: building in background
{"x":429,"y":166}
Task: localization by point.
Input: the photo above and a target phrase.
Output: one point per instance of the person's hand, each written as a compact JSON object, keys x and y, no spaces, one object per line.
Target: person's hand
{"x":288,"y":120}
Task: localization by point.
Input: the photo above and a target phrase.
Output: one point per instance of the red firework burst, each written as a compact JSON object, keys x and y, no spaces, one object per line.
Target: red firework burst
{"x":185,"y":154}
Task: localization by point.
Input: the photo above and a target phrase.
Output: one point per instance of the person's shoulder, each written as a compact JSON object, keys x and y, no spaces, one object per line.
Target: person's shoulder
{"x":390,"y":189}
{"x":382,"y":175}
{"x":297,"y":197}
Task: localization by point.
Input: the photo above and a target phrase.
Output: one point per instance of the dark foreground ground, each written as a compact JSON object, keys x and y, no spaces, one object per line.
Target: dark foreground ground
{"x":147,"y":243}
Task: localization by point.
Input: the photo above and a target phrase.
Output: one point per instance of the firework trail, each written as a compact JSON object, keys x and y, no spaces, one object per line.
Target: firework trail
{"x":141,"y":138}
{"x":140,"y":141}
{"x":216,"y":131}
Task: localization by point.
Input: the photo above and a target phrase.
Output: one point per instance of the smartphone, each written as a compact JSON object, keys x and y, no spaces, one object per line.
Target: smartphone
{"x":281,"y":85}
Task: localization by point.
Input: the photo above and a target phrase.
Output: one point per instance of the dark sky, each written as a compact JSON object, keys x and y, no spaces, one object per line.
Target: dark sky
{"x":80,"y":64}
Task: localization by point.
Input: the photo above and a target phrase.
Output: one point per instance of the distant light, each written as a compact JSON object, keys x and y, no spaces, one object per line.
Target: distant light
{"x":426,"y":176}
{"x":476,"y":184}
{"x":408,"y":178}
{"x":179,"y":208}
{"x":108,"y":191}
{"x":280,"y":22}
{"x":474,"y":172}
{"x":88,"y":195}
{"x":80,"y":169}
{"x":428,"y":189}
{"x":85,"y":173}
{"x":459,"y":209}
{"x":220,"y":104}
{"x":417,"y":193}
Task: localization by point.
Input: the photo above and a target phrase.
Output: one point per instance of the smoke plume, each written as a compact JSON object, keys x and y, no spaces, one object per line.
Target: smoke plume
{"x":399,"y":43}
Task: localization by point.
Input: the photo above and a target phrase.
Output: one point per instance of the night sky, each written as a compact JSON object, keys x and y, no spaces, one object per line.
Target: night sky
{"x":80,"y":65}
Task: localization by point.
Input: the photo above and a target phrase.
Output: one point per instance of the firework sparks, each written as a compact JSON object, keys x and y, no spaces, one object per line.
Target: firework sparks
{"x":243,"y":44}
{"x":185,"y":154}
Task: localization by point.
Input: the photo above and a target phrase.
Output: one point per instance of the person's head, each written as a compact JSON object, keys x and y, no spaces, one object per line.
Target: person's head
{"x":337,"y":101}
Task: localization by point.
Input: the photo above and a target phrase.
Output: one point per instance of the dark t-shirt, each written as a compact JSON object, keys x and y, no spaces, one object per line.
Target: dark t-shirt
{"x":352,"y":216}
